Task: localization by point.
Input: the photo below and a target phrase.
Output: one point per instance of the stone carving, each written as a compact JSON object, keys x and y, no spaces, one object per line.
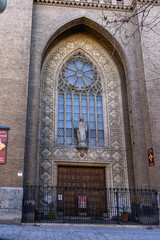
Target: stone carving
{"x":48,"y":119}
{"x":81,"y":133}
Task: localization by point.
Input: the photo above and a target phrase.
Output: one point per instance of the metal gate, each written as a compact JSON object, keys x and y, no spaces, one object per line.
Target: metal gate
{"x":89,"y":205}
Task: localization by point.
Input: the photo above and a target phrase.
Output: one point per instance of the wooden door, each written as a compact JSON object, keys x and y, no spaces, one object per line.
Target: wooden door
{"x":82,"y":183}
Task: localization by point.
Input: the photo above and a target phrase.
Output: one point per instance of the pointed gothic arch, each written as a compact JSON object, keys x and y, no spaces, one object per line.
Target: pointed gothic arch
{"x":113,"y":153}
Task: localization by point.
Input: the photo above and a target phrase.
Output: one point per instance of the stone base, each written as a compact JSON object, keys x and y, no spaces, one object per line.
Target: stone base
{"x":11,"y":205}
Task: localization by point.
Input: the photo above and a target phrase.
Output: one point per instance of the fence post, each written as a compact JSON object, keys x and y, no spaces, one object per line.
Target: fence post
{"x":158,"y":206}
{"x":117,"y":197}
{"x":63,"y":204}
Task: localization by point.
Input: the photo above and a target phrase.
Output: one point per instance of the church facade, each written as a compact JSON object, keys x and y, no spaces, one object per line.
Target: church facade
{"x":68,"y":62}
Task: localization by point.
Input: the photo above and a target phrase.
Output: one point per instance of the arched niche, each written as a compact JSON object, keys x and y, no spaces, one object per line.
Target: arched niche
{"x":114,"y":154}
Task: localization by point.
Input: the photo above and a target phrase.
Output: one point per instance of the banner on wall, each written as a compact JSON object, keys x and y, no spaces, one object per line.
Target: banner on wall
{"x":3,"y":144}
{"x":150,"y":157}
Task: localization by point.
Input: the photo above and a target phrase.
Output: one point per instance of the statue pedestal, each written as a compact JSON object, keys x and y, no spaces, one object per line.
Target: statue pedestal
{"x":82,"y":148}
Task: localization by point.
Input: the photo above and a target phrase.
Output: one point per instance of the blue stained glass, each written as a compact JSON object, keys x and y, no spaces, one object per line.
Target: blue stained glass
{"x":71,"y":80}
{"x":84,"y":97}
{"x":99,"y":98}
{"x":69,"y":117}
{"x":60,"y":116}
{"x":69,"y":109}
{"x":80,"y":73}
{"x":60,"y":140}
{"x":92,"y":133}
{"x":92,"y":110}
{"x":91,"y":103}
{"x":76,"y":100}
{"x":101,"y":142}
{"x":100,"y":134}
{"x":83,"y":103}
{"x":87,"y":81}
{"x":75,"y":124}
{"x":68,"y":93}
{"x":79,"y":64}
{"x":60,"y":124}
{"x":89,"y":74}
{"x":92,"y":125}
{"x":99,"y":103}
{"x":76,"y":109}
{"x":87,"y":67}
{"x":60,"y":108}
{"x":84,"y":110}
{"x":100,"y":118}
{"x":91,"y":100}
{"x":68,"y":102}
{"x":91,"y":95}
{"x":85,"y":118}
{"x":92,"y":118}
{"x":79,"y":83}
{"x":68,"y":140}
{"x":100,"y":126}
{"x":68,"y":73}
{"x":61,"y":101}
{"x":76,"y":117}
{"x":61,"y":94}
{"x":60,"y":132}
{"x":92,"y":141}
{"x":71,"y":65}
{"x":99,"y":110}
{"x":68,"y":124}
{"x":75,"y":140}
{"x":68,"y":132}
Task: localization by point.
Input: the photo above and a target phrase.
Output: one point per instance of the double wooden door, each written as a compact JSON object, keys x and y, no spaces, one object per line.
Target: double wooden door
{"x":83,"y":190}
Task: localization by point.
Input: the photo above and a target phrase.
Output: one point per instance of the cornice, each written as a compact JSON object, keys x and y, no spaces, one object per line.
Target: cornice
{"x":109,"y":5}
{"x":84,"y":4}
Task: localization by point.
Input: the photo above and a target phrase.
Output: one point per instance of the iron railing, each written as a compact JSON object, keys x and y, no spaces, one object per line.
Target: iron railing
{"x":89,"y":205}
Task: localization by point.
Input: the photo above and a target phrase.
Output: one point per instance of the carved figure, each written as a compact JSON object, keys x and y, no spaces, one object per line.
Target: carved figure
{"x":81,"y":133}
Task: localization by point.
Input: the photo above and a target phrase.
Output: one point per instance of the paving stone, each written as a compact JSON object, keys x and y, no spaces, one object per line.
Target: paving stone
{"x":74,"y":232}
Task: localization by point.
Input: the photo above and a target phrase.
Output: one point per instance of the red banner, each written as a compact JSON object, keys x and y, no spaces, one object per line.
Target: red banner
{"x":150,"y":157}
{"x":82,"y":201}
{"x":3,"y":145}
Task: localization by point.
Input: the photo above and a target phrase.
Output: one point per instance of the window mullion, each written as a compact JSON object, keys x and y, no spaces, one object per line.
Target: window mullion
{"x":80,"y":111}
{"x":65,"y":118}
{"x":88,"y":118}
{"x":72,"y":118}
{"x":95,"y":100}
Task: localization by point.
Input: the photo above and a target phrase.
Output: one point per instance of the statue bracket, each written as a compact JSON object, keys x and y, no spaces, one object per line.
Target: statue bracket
{"x":82,"y":150}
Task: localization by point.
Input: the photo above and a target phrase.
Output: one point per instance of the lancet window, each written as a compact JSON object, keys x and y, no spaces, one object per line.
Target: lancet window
{"x":80,"y":95}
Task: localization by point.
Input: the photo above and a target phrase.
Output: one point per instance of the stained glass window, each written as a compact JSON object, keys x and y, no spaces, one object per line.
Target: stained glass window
{"x":80,"y":95}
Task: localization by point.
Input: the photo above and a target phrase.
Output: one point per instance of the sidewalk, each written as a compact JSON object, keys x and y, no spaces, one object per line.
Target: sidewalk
{"x":77,"y":232}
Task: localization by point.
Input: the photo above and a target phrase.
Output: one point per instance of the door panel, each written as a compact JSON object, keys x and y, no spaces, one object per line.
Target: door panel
{"x":76,"y":181}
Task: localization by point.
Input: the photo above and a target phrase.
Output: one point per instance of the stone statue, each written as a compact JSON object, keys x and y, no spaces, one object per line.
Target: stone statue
{"x":81,"y":133}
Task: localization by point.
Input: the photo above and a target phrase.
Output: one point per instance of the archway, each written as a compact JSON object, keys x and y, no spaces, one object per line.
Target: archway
{"x":113,"y":154}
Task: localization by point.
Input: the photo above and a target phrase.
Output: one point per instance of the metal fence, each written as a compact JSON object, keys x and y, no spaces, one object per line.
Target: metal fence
{"x":89,"y":205}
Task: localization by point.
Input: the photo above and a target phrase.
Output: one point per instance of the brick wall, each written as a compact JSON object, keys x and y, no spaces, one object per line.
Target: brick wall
{"x":15,"y":36}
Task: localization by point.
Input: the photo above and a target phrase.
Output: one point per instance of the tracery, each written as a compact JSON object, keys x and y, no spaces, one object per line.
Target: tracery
{"x":80,"y":95}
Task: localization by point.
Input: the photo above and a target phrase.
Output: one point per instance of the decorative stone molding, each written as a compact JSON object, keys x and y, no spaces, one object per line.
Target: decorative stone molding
{"x":111,"y":4}
{"x":112,"y":152}
{"x":117,"y":5}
